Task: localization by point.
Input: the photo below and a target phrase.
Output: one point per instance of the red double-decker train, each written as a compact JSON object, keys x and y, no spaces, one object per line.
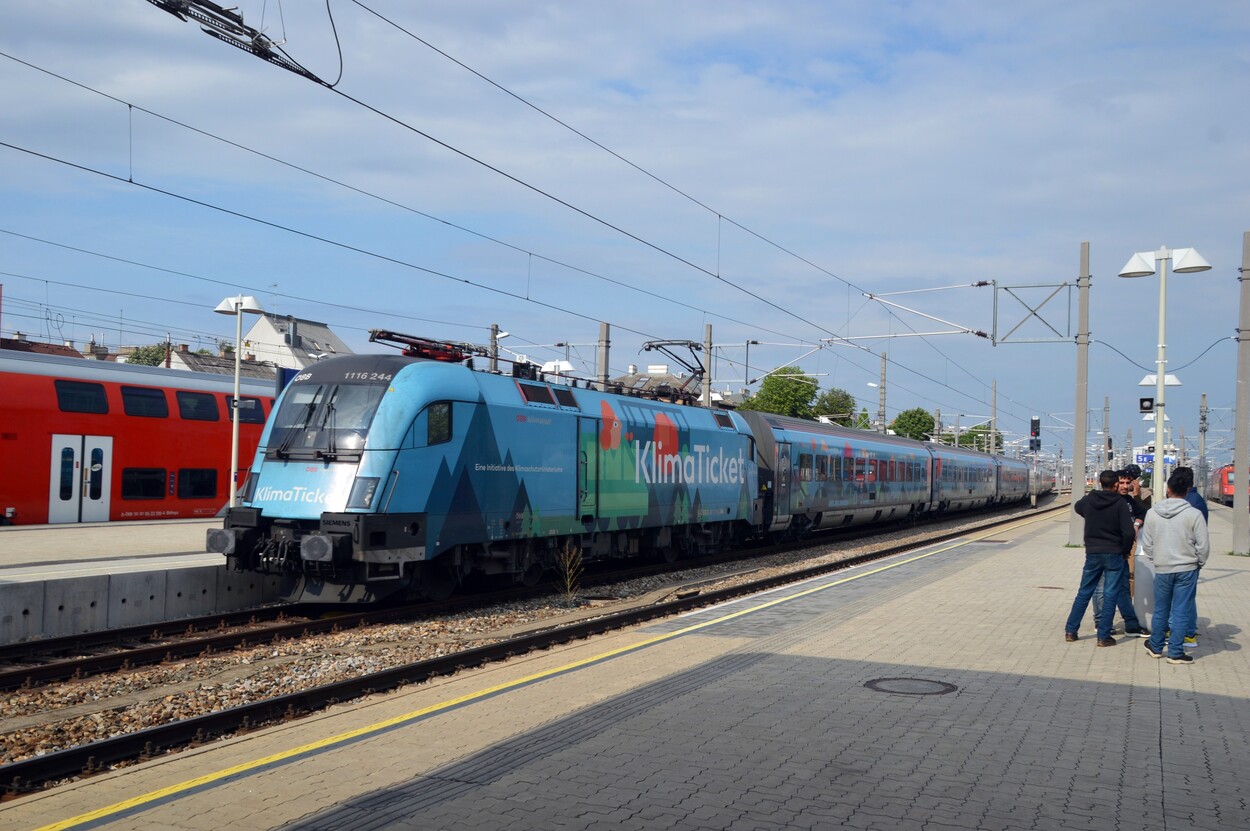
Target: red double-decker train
{"x":1221,"y":489}
{"x":95,"y":441}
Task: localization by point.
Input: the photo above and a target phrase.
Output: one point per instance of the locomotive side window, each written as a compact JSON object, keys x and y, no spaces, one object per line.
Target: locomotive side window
{"x":145,"y":402}
{"x":723,"y":420}
{"x":535,"y":394}
{"x":439,"y":423}
{"x":143,"y":483}
{"x":81,"y":397}
{"x":197,"y":483}
{"x":197,"y":406}
{"x":565,"y":397}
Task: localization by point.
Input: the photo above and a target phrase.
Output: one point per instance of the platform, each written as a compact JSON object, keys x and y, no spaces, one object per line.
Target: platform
{"x":930,"y":691}
{"x":60,"y":580}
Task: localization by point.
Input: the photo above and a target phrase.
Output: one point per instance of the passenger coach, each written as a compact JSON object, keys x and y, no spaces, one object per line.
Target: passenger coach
{"x":96,"y":441}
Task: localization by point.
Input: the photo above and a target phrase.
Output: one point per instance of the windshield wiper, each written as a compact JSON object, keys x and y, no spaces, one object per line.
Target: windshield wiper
{"x":283,"y":450}
{"x":327,"y":425}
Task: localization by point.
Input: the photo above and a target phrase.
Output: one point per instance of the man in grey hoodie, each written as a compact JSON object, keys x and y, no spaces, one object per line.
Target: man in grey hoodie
{"x":1175,"y":540}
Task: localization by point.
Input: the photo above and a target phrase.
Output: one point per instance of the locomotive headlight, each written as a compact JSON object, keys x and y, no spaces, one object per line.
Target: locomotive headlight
{"x":363,"y":491}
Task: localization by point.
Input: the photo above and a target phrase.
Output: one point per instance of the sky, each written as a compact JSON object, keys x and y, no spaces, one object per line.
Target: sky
{"x":830,"y":179}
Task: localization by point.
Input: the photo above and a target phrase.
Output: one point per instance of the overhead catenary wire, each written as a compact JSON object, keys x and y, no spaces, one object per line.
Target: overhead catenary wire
{"x":610,"y":225}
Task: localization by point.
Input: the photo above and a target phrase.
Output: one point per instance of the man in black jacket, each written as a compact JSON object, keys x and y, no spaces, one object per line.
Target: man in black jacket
{"x":1109,"y":536}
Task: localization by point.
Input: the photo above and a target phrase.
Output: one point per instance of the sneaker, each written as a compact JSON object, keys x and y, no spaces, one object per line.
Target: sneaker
{"x":1191,"y":641}
{"x":1183,"y":659}
{"x":1140,"y":632}
{"x":1070,"y":637}
{"x":1106,"y":641}
{"x":1153,"y":654}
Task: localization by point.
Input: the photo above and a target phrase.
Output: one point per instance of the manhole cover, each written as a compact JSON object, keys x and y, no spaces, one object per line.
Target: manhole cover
{"x":910,"y":686}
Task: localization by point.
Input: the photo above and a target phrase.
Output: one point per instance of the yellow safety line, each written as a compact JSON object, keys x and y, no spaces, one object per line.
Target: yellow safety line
{"x":380,"y":726}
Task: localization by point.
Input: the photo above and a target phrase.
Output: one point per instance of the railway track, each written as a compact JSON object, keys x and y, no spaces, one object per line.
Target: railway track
{"x":29,"y":664}
{"x":33,"y":773}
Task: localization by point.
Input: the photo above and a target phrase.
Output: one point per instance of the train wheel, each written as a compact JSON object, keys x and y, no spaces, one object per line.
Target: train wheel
{"x":531,"y":575}
{"x":437,"y":582}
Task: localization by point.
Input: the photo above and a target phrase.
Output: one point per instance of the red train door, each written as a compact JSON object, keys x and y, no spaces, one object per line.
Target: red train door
{"x":82,"y":470}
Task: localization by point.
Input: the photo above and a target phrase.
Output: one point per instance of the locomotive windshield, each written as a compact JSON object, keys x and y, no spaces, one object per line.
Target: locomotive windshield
{"x":324,"y":421}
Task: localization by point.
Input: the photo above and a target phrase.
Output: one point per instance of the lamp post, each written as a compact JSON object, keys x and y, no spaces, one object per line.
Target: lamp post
{"x":237,"y":306}
{"x":1143,"y":264}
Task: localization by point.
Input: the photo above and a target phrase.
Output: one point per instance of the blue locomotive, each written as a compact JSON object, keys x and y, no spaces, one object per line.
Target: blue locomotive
{"x":408,"y":473}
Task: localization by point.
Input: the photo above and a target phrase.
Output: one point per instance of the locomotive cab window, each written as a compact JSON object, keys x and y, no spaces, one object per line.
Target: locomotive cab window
{"x":81,"y":397}
{"x":329,"y":422}
{"x":145,"y":402}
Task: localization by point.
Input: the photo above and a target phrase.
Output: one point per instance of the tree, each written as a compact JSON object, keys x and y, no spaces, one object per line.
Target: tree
{"x":915,"y":424}
{"x":151,"y":355}
{"x":787,"y":391}
{"x":837,"y":403}
{"x":978,"y":438}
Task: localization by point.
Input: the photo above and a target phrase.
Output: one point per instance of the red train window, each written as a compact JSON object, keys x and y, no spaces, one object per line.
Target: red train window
{"x":81,"y":397}
{"x":145,"y":402}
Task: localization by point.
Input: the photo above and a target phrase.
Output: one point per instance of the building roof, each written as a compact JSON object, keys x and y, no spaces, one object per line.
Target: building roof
{"x":21,"y":344}
{"x":196,"y":362}
{"x":273,"y":337}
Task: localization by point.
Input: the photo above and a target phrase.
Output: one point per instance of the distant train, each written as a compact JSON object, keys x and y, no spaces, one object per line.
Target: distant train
{"x":406,"y":474}
{"x":95,"y":441}
{"x":1221,"y":486}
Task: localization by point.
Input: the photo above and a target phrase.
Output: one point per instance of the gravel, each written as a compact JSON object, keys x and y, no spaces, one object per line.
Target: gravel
{"x":71,"y":713}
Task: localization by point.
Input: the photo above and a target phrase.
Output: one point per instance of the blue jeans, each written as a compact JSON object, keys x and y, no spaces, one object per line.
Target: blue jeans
{"x":1175,"y":602}
{"x":1124,"y":603}
{"x":1096,"y":566}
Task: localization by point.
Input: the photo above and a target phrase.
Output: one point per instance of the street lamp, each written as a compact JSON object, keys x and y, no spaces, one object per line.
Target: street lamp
{"x":1143,"y":264}
{"x":237,"y":306}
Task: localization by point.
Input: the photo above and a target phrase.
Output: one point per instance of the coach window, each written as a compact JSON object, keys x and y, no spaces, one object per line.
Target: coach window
{"x":250,"y":410}
{"x":197,"y":406}
{"x":439,"y":429}
{"x":95,"y":474}
{"x":143,"y":483}
{"x":67,"y":474}
{"x":822,"y":468}
{"x":145,"y":402}
{"x":805,"y":467}
{"x":197,"y":483}
{"x":81,"y":397}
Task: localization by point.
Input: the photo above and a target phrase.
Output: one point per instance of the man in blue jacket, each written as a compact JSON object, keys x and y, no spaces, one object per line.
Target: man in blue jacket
{"x":1109,"y":536}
